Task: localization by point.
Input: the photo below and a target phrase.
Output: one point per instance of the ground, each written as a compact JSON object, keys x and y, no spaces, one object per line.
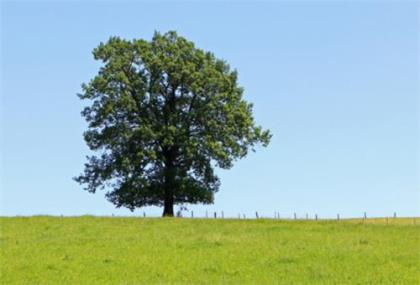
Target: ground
{"x":111,"y":250}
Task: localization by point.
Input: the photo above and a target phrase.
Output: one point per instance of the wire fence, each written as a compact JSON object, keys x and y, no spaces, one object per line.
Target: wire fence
{"x":277,"y":216}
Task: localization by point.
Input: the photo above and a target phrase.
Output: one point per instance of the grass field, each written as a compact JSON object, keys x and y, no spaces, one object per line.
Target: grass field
{"x":94,"y":250}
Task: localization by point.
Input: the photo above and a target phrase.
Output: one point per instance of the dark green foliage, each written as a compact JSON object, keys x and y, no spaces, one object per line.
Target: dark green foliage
{"x":163,"y":113}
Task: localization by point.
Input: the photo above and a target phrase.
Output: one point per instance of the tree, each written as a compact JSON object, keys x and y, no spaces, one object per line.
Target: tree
{"x":163,"y":114}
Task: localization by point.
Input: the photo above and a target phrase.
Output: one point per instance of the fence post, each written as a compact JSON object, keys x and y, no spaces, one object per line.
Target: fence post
{"x":338,"y":217}
{"x":364,"y":216}
{"x":223,"y":215}
{"x":316,"y":217}
{"x":215,"y":215}
{"x":295,"y":216}
{"x":256,"y":215}
{"x":144,"y":214}
{"x":307,"y":216}
{"x":395,"y":215}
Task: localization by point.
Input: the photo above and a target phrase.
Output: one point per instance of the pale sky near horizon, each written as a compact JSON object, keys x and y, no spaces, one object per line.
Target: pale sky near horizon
{"x":336,"y":82}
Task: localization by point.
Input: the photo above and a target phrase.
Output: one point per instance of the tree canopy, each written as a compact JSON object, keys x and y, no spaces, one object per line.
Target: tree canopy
{"x":162,"y":115}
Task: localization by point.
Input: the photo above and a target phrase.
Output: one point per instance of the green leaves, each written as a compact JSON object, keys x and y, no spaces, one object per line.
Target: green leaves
{"x":161,"y":113}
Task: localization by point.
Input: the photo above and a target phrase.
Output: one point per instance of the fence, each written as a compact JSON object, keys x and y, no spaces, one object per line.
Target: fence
{"x":275,"y":216}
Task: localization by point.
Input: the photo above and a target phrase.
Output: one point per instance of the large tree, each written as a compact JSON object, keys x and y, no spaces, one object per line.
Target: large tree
{"x":163,"y":114}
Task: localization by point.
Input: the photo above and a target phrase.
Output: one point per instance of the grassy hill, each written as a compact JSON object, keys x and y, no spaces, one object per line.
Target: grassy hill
{"x":94,"y":250}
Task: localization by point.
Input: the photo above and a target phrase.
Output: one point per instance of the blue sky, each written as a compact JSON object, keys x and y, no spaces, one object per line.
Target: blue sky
{"x":336,"y":82}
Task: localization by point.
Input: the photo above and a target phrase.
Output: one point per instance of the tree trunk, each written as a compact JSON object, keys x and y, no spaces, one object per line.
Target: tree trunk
{"x":168,"y":209}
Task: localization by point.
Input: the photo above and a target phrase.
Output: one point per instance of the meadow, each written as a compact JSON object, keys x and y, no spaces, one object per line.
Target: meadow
{"x":116,"y":250}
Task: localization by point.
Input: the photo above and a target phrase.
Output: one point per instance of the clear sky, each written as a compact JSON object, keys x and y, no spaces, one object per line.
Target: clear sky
{"x":336,"y":82}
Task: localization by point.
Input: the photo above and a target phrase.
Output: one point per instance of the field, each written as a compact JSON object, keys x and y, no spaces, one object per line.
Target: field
{"x":99,"y":250}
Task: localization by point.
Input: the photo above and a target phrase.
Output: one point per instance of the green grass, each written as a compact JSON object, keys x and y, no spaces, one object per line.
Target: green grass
{"x":91,"y":250}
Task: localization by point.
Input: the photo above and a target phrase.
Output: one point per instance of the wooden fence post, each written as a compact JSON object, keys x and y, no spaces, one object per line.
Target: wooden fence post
{"x":192,"y":214}
{"x":215,"y":215}
{"x":256,"y":215}
{"x":144,"y":214}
